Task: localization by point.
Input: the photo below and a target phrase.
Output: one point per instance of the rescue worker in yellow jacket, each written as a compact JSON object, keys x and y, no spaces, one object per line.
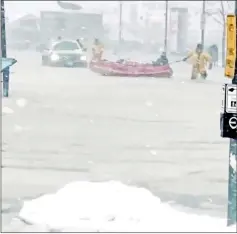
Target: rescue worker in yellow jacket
{"x":199,"y":60}
{"x":97,"y":50}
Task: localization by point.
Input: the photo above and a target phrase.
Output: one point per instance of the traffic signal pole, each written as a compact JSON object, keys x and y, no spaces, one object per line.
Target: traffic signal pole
{"x":120,"y":23}
{"x":228,"y":117}
{"x":166,"y":26}
{"x":232,"y":191}
{"x":203,"y":22}
{"x":4,"y":51}
{"x":232,"y":180}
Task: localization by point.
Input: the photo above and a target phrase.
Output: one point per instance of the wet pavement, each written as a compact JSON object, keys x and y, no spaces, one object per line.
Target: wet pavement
{"x":71,"y":124}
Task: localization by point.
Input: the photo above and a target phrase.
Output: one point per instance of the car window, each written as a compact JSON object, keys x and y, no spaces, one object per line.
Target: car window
{"x":66,"y":45}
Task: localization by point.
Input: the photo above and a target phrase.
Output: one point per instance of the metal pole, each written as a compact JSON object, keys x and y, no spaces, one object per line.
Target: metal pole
{"x":4,"y":50}
{"x":232,"y":178}
{"x":203,"y":22}
{"x":166,"y":26}
{"x":120,"y":22}
{"x":232,"y":190}
{"x":234,"y":81}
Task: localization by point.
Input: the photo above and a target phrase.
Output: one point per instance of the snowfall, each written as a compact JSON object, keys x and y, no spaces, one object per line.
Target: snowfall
{"x":113,"y":207}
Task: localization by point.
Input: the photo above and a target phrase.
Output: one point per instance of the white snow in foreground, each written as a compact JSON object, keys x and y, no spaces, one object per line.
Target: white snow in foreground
{"x":113,"y":206}
{"x":7,"y":110}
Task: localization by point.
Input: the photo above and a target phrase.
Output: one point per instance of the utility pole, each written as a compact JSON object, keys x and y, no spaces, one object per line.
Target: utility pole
{"x":203,"y":22}
{"x":120,"y":23}
{"x":4,"y":50}
{"x":166,"y":26}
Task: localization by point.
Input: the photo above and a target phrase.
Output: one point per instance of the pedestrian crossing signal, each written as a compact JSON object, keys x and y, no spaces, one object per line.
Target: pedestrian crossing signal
{"x":231,"y":46}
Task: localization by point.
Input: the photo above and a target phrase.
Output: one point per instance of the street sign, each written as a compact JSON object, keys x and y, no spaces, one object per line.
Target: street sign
{"x":228,"y":125}
{"x":231,"y":96}
{"x":229,"y":111}
{"x":6,"y":63}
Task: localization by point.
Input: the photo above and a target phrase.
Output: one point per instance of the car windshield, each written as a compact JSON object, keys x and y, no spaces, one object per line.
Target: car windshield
{"x":66,"y":45}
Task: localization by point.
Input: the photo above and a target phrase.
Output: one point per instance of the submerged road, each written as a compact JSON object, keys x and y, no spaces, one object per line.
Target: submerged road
{"x":71,"y":124}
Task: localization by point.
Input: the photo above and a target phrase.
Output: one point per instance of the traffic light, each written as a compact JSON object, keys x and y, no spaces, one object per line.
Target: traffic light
{"x":231,"y":46}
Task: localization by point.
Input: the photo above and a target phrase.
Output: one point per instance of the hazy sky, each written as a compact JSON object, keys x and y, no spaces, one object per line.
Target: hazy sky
{"x":15,"y":9}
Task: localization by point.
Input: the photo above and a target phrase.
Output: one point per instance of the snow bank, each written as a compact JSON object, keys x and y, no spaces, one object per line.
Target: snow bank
{"x":113,"y":206}
{"x":7,"y":110}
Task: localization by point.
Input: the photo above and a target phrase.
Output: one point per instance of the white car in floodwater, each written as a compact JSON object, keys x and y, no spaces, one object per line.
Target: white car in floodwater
{"x":66,"y":53}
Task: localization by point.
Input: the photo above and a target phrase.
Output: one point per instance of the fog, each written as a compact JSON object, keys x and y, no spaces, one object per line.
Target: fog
{"x":141,"y":21}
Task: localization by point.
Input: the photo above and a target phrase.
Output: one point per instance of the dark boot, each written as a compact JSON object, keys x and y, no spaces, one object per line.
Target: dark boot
{"x":204,"y":75}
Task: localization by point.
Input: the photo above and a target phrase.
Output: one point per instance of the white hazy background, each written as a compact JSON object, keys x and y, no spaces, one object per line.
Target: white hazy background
{"x":110,"y":10}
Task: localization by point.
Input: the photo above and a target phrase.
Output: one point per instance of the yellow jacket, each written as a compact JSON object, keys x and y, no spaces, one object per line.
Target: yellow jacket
{"x":199,"y":61}
{"x":97,"y":49}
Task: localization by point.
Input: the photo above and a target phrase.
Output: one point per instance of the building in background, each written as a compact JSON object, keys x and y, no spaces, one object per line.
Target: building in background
{"x":23,"y":31}
{"x":178,"y":30}
{"x":139,"y":18}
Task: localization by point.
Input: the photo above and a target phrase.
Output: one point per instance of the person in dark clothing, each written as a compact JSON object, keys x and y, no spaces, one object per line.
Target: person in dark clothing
{"x":162,"y":60}
{"x":122,"y":61}
{"x":213,"y":51}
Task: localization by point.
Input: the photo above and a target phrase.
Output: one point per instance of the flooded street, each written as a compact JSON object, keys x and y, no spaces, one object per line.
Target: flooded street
{"x":71,"y":124}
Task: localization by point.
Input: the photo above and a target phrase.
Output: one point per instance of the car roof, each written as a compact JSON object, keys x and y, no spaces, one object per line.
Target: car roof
{"x":64,"y":40}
